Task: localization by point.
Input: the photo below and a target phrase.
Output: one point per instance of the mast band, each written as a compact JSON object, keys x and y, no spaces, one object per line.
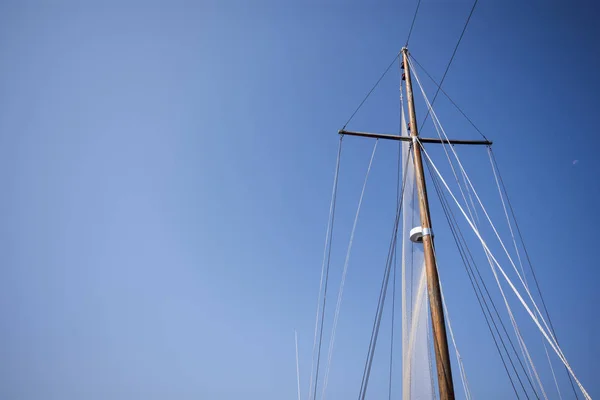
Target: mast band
{"x":427,"y":231}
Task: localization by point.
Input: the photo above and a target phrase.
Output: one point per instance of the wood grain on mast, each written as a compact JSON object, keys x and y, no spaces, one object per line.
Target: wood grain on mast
{"x":442,"y":356}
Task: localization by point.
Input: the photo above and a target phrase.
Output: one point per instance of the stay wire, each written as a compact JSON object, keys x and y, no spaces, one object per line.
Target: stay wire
{"x":535,"y":318}
{"x":508,"y":336}
{"x":392,"y":331}
{"x":529,"y":260}
{"x":448,"y":97}
{"x":344,"y":273}
{"x":382,"y":293}
{"x":516,"y":328}
{"x":371,"y":91}
{"x":413,"y":23}
{"x":327,"y":267}
{"x":497,"y":313}
{"x":504,"y":328}
{"x":381,"y":300}
{"x":473,"y":283}
{"x":398,"y":179}
{"x":460,"y":241}
{"x":436,"y":345}
{"x":451,"y":59}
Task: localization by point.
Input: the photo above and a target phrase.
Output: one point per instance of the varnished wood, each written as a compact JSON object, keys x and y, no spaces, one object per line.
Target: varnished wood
{"x":442,"y":356}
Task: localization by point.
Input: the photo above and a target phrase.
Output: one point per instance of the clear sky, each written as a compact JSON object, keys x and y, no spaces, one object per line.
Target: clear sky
{"x":166,"y":170}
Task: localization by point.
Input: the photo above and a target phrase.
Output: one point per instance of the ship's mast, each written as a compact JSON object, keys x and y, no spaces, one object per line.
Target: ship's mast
{"x":440,"y":341}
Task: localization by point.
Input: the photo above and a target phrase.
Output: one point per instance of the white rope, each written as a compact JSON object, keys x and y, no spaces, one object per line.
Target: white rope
{"x":520,"y":341}
{"x":521,"y":265}
{"x":329,"y":227}
{"x":461,"y":367}
{"x":523,"y":281}
{"x":406,"y":365}
{"x":512,"y":234}
{"x":405,"y":310}
{"x":297,"y":364}
{"x":471,"y":199}
{"x":552,"y":343}
{"x":345,"y":271}
{"x":491,"y":223}
{"x":552,"y":370}
{"x":435,"y":125}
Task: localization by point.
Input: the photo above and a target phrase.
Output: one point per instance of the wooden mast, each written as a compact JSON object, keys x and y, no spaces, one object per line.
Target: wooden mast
{"x":442,"y":356}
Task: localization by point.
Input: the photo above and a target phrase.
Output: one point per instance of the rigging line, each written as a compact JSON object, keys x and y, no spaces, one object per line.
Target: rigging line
{"x":404,"y":311}
{"x":412,"y":24}
{"x":437,"y":126}
{"x":460,"y":243}
{"x":520,"y":340}
{"x":463,"y":375}
{"x":535,"y":319}
{"x":371,"y":91}
{"x":552,"y":370}
{"x":463,"y":249}
{"x":297,"y":364}
{"x":382,"y":293}
{"x":478,"y":294}
{"x":438,"y":351}
{"x":345,"y":271}
{"x":500,"y":240}
{"x":522,"y":269}
{"x":395,"y":263}
{"x":493,"y":157}
{"x":325,"y":274}
{"x":539,"y":313}
{"x":411,"y":202}
{"x":457,"y":228}
{"x":471,"y":199}
{"x":451,"y":59}
{"x":412,"y":245}
{"x":510,"y":229}
{"x":401,"y":125}
{"x":517,"y":332}
{"x":409,"y":315}
{"x":443,"y":145}
{"x":398,"y":179}
{"x":448,"y":97}
{"x":379,"y":315}
{"x":522,"y":346}
{"x":392,"y":331}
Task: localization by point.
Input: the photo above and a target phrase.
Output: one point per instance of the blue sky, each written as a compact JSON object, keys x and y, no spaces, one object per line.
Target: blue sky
{"x":167,"y":166}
